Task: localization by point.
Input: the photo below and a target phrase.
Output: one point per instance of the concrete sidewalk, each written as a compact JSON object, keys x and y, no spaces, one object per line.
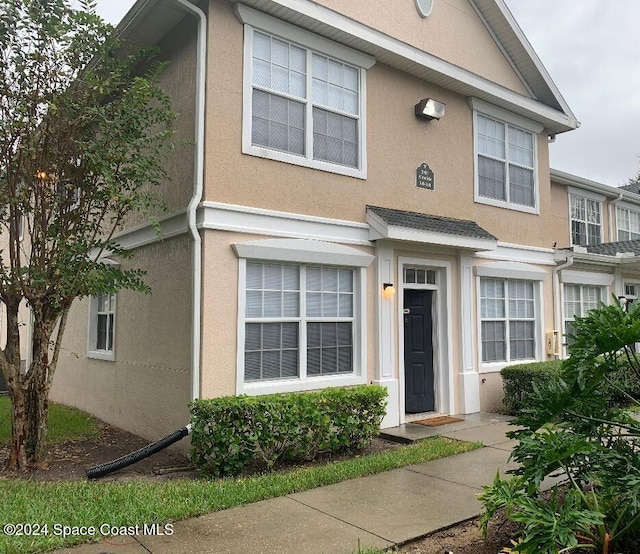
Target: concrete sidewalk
{"x":379,"y":510}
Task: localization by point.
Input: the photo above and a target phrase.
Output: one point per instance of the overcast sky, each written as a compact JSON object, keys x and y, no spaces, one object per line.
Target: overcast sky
{"x":591,"y":49}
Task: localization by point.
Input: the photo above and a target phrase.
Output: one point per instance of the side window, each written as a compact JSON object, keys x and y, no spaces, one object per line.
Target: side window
{"x":102,"y":319}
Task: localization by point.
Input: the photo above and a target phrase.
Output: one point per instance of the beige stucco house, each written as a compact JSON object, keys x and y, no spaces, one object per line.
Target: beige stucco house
{"x":323,"y":234}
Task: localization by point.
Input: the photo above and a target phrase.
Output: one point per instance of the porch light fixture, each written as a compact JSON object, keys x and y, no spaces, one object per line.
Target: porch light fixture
{"x":388,"y":290}
{"x":429,"y":109}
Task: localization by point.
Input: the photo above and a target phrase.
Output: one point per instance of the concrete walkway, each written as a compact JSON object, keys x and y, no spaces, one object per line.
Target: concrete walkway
{"x":379,"y":510}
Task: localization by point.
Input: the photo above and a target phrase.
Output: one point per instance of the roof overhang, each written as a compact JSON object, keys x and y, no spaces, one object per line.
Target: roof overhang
{"x":556,"y":118}
{"x":150,"y":20}
{"x":381,"y":229}
{"x":567,"y":179}
{"x":577,"y":255}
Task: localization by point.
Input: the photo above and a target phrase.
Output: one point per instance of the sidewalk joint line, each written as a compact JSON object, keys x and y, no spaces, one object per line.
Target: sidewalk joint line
{"x":343,"y":521}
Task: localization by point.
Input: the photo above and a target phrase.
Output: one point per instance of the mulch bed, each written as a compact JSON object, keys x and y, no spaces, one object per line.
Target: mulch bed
{"x":69,"y":461}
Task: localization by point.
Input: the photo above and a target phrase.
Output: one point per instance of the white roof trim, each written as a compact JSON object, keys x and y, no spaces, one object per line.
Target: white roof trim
{"x":571,"y":276}
{"x":393,"y":52}
{"x":379,"y":229}
{"x":261,"y":20}
{"x":303,"y":251}
{"x":512,"y":270}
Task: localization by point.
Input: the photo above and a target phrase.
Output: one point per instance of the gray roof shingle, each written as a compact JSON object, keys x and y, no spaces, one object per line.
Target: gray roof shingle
{"x":635,"y":188}
{"x":613,"y":248}
{"x":436,"y":223}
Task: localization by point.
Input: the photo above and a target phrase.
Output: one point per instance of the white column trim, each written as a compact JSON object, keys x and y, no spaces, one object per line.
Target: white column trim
{"x":468,"y":380}
{"x":385,"y":336}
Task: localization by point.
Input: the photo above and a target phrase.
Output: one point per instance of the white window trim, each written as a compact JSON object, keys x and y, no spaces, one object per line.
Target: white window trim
{"x":253,"y":19}
{"x":92,"y":352}
{"x":359,"y":375}
{"x":538,"y":299}
{"x":589,"y":196}
{"x":504,"y":116}
{"x":605,"y":292}
{"x":628,"y":208}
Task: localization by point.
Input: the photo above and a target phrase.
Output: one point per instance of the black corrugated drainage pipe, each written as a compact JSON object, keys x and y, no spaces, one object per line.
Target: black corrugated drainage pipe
{"x":145,"y":452}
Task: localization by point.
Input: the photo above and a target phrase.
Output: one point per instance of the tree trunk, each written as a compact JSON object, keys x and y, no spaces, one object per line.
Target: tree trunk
{"x":38,"y":389}
{"x":10,"y":361}
{"x":29,"y":392}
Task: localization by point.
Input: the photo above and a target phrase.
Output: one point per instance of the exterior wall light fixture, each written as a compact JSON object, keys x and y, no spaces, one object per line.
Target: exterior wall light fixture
{"x":429,"y":109}
{"x":388,"y":290}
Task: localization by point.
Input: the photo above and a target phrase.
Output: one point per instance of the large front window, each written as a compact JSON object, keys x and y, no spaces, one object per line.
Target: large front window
{"x":506,"y":162}
{"x":586,"y":221}
{"x":628,"y":224}
{"x":508,"y":320}
{"x":299,"y":321}
{"x":305,"y":106}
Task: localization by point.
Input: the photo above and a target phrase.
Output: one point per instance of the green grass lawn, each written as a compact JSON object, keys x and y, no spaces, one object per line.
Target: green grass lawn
{"x":83,"y":503}
{"x":65,"y":423}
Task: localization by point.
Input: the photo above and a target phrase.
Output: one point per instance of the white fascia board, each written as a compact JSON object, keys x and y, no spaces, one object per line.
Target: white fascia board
{"x":439,"y":239}
{"x":625,"y":204}
{"x":569,"y":180}
{"x":509,"y":252}
{"x":261,"y":20}
{"x":586,"y":278}
{"x":512,"y":270}
{"x":143,"y":235}
{"x":391,"y":51}
{"x":303,"y":251}
{"x":586,"y":193}
{"x":531,"y":53}
{"x":504,"y":115}
{"x":258,"y":221}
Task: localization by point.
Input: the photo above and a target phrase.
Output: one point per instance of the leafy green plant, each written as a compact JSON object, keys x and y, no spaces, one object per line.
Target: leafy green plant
{"x":231,"y":432}
{"x":574,"y":428}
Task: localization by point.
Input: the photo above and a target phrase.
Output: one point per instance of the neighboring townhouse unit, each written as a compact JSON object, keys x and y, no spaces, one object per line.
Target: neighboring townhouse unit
{"x":331,"y":225}
{"x":598,"y":257}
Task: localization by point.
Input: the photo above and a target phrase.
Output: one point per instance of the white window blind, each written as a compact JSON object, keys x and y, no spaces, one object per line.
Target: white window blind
{"x":285,"y":102}
{"x":506,"y":157}
{"x":508,"y":316}
{"x":286,"y":337}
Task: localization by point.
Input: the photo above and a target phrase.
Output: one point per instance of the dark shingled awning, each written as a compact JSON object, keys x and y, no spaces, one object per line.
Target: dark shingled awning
{"x":434,"y":223}
{"x":613,"y":248}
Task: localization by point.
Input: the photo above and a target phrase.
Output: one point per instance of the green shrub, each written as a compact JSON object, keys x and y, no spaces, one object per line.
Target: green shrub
{"x":573,"y":427}
{"x":233,"y":431}
{"x":518,"y":382}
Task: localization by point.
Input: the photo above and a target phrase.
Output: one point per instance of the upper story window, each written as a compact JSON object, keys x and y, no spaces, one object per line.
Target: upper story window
{"x":304,"y":97}
{"x":506,"y":156}
{"x":586,"y":220}
{"x":628,"y":224}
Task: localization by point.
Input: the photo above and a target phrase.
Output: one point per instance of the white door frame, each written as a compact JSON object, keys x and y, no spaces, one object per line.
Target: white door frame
{"x":442,"y":346}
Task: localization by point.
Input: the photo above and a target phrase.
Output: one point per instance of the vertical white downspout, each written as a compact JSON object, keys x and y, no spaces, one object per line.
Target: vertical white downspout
{"x":556,"y":293}
{"x":201,"y":72}
{"x":613,"y":235}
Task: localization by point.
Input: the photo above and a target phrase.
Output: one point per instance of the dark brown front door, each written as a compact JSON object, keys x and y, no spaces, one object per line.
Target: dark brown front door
{"x":418,"y":351}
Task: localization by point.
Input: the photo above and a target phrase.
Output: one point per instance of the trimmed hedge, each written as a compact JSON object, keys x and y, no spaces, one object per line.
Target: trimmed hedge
{"x":232,"y":432}
{"x":518,"y":381}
